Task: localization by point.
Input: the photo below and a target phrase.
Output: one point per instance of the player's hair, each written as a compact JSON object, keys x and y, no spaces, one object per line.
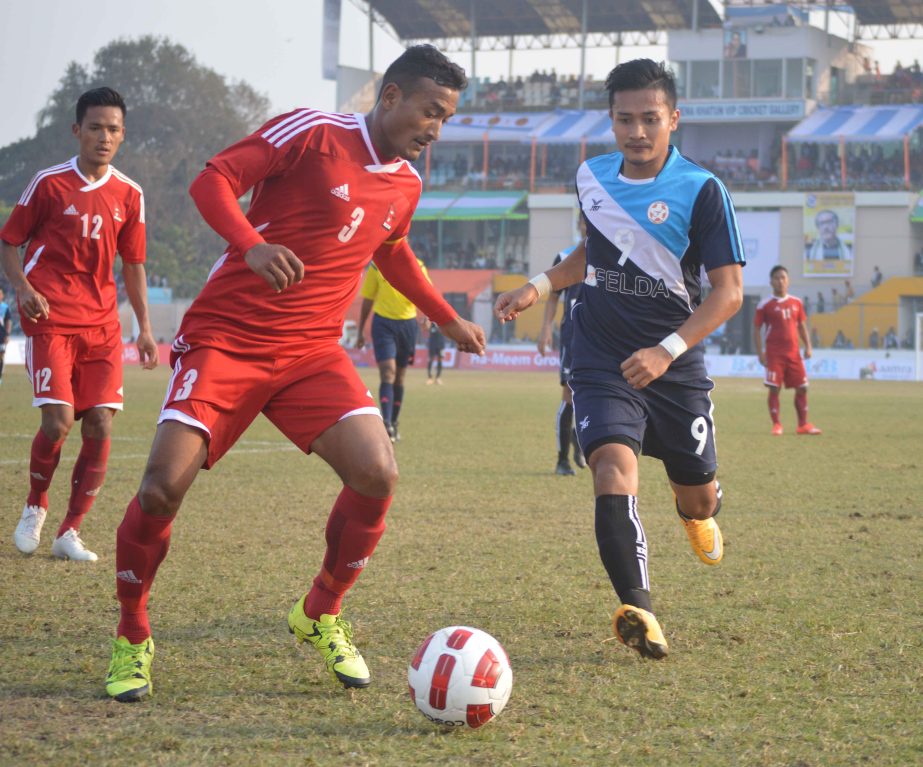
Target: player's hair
{"x":423,"y":61}
{"x":641,"y":74}
{"x":778,"y":268}
{"x":100,"y":97}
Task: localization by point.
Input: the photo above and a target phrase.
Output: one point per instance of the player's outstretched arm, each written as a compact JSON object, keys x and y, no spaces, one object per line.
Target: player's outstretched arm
{"x":569,"y":272}
{"x":136,"y":288}
{"x":468,"y":336}
{"x":726,"y":297}
{"x":32,"y":304}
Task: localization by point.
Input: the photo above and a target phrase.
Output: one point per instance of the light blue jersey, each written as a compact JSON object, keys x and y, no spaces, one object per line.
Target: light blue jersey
{"x":648,"y":243}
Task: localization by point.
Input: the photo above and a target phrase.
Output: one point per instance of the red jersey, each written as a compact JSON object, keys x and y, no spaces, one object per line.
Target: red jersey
{"x":778,"y":319}
{"x":74,"y":228}
{"x":319,"y":189}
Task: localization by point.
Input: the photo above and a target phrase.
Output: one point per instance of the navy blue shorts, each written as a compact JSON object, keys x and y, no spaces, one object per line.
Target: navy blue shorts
{"x":670,"y":421}
{"x":394,"y":340}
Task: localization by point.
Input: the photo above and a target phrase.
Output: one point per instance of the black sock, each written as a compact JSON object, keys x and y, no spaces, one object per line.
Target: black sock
{"x":563,"y":428}
{"x":623,"y":548}
{"x":398,"y":399}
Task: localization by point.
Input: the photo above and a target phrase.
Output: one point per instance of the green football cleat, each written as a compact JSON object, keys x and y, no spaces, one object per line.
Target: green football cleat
{"x":129,"y":677}
{"x":333,"y":638}
{"x":639,"y":629}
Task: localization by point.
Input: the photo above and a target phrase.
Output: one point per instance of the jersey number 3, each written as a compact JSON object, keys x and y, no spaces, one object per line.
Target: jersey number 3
{"x":347,"y":232}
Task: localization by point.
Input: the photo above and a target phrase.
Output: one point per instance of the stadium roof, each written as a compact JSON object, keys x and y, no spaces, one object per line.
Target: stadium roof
{"x":440,"y":19}
{"x":470,"y":206}
{"x":861,"y":123}
{"x":414,"y":20}
{"x":887,"y":12}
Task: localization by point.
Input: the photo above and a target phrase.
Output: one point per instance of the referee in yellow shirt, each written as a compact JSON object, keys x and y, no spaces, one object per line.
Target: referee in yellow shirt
{"x":394,"y":338}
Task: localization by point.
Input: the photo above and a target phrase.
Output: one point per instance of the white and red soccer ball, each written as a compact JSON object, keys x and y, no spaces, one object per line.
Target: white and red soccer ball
{"x":460,"y":677}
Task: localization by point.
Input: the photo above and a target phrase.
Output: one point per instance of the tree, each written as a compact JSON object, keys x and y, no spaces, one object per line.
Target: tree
{"x":179,"y":115}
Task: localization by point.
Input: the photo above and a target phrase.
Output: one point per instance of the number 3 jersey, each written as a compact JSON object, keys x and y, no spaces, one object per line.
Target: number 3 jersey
{"x":319,"y":189}
{"x":74,"y":227}
{"x":647,"y":245}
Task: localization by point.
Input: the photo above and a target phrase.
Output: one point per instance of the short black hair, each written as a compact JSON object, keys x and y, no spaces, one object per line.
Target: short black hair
{"x":100,"y":97}
{"x":779,"y":268}
{"x":423,"y":61}
{"x":641,"y":74}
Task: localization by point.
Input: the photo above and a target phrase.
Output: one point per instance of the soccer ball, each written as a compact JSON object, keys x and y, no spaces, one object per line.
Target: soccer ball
{"x":460,"y":677}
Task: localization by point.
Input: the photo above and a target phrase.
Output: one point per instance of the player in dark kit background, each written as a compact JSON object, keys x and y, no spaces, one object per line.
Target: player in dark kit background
{"x":654,"y":221}
{"x":565,"y":432}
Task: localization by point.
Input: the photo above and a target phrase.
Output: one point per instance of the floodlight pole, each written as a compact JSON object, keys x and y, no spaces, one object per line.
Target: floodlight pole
{"x":474,"y":59}
{"x":583,"y":25}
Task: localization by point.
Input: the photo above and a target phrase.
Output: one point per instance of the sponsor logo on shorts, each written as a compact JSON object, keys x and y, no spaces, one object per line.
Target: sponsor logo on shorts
{"x":584,"y":423}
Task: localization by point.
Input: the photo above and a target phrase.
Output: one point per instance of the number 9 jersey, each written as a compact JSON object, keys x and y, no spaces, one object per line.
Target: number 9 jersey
{"x":74,"y":227}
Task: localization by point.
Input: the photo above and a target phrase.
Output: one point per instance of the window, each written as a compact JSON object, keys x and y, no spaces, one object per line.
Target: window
{"x":794,"y":79}
{"x":767,"y":78}
{"x":737,"y":79}
{"x":703,"y":79}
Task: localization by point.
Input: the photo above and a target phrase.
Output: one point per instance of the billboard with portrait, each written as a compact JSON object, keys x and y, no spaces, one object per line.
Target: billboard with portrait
{"x":829,"y":234}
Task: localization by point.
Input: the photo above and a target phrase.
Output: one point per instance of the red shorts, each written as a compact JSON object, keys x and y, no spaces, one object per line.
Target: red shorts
{"x":221,"y":393}
{"x":83,"y":370}
{"x":785,"y":369}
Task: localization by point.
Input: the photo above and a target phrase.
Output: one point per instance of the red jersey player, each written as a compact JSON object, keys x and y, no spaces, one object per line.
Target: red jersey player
{"x":781,"y":321}
{"x":330,"y":191}
{"x":73,"y":219}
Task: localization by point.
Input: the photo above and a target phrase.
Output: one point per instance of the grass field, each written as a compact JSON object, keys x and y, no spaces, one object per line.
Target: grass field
{"x":804,"y":648}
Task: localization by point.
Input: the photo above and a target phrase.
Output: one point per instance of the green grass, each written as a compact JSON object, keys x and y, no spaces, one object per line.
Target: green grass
{"x":803,"y":648}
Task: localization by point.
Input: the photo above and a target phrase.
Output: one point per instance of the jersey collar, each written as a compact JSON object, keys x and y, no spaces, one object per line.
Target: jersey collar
{"x":376,"y":166}
{"x":91,"y":185}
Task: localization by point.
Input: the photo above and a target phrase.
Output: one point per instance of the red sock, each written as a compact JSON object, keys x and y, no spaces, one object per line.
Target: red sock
{"x":42,"y":463}
{"x":801,"y":406}
{"x":86,"y":481}
{"x":774,"y":405}
{"x":141,"y":543}
{"x":355,"y":526}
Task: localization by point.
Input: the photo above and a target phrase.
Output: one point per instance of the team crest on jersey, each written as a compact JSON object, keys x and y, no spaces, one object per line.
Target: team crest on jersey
{"x":658,"y":212}
{"x":386,"y":224}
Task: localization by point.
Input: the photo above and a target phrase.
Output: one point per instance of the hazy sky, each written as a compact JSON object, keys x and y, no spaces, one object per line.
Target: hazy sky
{"x":274,"y":45}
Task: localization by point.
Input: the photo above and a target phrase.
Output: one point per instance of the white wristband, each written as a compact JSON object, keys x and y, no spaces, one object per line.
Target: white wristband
{"x":674,"y":344}
{"x":542,"y":284}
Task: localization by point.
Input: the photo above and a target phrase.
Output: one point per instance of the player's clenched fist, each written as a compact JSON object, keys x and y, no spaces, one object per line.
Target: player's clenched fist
{"x":468,"y":336}
{"x":276,"y":264}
